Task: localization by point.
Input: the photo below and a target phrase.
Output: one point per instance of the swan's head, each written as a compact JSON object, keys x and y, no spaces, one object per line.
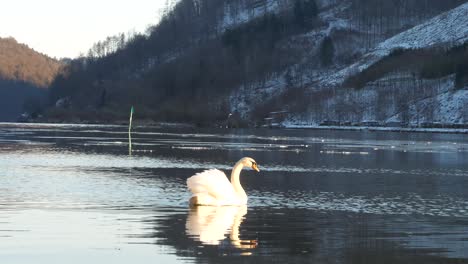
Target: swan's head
{"x":249,"y":162}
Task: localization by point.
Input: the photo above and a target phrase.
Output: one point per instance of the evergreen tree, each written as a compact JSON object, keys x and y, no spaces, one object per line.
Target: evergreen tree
{"x":461,"y":75}
{"x":327,"y":51}
{"x":310,"y":9}
{"x":305,"y":12}
{"x":299,"y":13}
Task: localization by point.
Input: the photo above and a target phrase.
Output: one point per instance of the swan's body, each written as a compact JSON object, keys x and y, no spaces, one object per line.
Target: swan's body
{"x":211,"y":187}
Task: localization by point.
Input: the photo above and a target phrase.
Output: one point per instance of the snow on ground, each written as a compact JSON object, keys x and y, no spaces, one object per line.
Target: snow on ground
{"x":452,"y":107}
{"x":449,"y":107}
{"x":447,"y":29}
{"x":244,"y":99}
{"x":424,"y":107}
{"x":237,"y":13}
{"x":333,"y":19}
{"x":434,"y":100}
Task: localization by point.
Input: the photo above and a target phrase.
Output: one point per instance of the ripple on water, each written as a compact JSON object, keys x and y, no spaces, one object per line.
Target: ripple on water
{"x":411,"y":204}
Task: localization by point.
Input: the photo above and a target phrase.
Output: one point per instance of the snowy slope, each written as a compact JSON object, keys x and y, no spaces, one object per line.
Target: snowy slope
{"x":447,"y":29}
{"x":414,"y":102}
{"x":438,"y":101}
{"x":452,"y":107}
{"x":239,"y":12}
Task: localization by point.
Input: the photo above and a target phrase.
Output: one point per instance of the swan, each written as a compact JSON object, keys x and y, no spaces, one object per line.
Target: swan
{"x":211,"y":187}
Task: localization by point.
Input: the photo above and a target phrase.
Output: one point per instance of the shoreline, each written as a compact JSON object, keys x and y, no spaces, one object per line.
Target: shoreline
{"x":314,"y":127}
{"x":380,"y":129}
{"x":84,"y":124}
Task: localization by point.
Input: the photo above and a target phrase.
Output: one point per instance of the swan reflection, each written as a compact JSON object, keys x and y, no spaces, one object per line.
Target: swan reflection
{"x":211,"y":224}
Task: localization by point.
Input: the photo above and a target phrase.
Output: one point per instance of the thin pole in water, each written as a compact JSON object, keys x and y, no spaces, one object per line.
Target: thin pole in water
{"x":130,"y":132}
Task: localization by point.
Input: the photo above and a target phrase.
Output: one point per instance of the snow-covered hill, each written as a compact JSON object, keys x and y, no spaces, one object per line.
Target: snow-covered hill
{"x":430,"y":101}
{"x":445,"y":30}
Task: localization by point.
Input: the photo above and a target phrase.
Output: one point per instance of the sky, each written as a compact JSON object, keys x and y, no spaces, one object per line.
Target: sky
{"x":66,"y":28}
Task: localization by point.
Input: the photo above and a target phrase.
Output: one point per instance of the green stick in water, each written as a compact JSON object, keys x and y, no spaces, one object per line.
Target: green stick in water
{"x":130,"y":132}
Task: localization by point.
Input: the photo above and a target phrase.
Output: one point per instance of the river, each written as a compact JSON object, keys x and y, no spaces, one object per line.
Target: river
{"x":73,"y":194}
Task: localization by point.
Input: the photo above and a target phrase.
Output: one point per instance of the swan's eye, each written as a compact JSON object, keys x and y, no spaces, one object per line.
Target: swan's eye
{"x":254,"y":166}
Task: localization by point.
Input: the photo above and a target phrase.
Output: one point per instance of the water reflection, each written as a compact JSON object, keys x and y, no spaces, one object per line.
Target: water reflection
{"x":211,"y":224}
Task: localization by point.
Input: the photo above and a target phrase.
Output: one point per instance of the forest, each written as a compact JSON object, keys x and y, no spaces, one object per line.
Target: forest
{"x":186,"y":67}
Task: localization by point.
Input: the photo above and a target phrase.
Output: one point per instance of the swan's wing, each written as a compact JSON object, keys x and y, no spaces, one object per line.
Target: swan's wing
{"x":212,"y":182}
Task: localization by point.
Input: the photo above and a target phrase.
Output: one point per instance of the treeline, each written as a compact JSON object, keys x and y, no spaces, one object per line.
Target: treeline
{"x":20,"y":63}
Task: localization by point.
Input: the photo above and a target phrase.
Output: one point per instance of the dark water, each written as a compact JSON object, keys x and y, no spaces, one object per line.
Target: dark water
{"x":71,"y":194}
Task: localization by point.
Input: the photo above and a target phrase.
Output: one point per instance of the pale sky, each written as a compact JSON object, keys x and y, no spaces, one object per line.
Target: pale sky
{"x":64,"y":28}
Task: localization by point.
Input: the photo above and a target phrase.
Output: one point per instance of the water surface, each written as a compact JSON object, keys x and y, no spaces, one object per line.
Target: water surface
{"x":72,"y":194}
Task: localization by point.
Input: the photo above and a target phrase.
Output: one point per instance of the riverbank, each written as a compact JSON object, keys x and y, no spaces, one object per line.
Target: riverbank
{"x":86,"y":124}
{"x":289,"y":126}
{"x":389,"y":129}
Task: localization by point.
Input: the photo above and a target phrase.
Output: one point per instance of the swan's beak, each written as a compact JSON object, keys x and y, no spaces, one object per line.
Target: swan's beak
{"x":255,"y":167}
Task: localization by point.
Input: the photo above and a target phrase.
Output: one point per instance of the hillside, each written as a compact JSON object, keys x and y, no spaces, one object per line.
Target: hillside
{"x":416,"y":77}
{"x":20,"y":63}
{"x":24,"y":77}
{"x":311,"y":61}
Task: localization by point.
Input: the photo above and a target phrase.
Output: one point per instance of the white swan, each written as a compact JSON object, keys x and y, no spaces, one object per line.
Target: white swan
{"x":211,"y":187}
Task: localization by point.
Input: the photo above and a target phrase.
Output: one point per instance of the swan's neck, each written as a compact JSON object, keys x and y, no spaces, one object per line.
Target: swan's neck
{"x":235,"y":180}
